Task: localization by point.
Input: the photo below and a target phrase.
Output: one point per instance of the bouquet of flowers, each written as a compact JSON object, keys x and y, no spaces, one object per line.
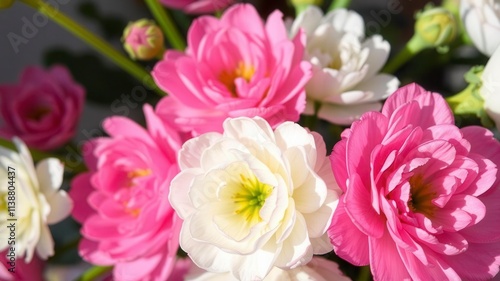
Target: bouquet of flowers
{"x":281,"y":141}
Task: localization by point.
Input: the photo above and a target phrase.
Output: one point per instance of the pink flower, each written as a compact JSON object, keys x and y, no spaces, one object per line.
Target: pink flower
{"x":197,"y":6}
{"x":20,"y":270}
{"x":127,"y":219}
{"x":234,"y":66}
{"x":43,"y":109}
{"x":421,"y":196}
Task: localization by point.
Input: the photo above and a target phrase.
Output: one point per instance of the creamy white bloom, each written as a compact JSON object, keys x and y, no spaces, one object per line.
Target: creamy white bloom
{"x":38,"y":201}
{"x":490,"y":89}
{"x":319,"y":269}
{"x":253,"y":198}
{"x":481,"y":19}
{"x":346,"y":79}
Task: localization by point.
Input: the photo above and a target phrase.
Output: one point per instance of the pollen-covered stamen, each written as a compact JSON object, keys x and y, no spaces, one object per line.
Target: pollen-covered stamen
{"x":421,"y":196}
{"x":132,"y":175}
{"x":250,"y":197}
{"x":243,"y":70}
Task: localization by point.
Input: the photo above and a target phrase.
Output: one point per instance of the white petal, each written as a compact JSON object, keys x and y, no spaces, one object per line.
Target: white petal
{"x":60,"y":206}
{"x":308,"y":20}
{"x":378,"y":87}
{"x":189,"y":156}
{"x":321,"y":245}
{"x":257,"y":265}
{"x":346,"y":21}
{"x":319,"y":221}
{"x":247,"y":128}
{"x":50,"y":173}
{"x":27,"y":161}
{"x":379,"y":52}
{"x":345,"y":115}
{"x":324,"y":83}
{"x":297,"y":249}
{"x":45,"y":247}
{"x":179,"y":192}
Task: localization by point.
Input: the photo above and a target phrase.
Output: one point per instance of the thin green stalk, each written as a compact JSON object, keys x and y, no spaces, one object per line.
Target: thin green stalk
{"x":167,"y":24}
{"x":337,"y":4}
{"x":413,"y":47}
{"x":364,"y":274}
{"x":94,"y":272}
{"x":97,"y":43}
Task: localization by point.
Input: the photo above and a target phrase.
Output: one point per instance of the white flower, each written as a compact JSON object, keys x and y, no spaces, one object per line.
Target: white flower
{"x":37,"y":198}
{"x":481,"y":19}
{"x":490,"y":89}
{"x":346,"y":79}
{"x":252,"y":198}
{"x":319,"y":269}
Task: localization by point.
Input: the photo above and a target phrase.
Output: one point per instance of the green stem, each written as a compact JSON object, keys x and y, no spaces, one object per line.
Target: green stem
{"x":94,"y":272}
{"x":337,"y":4}
{"x":364,"y":274}
{"x":167,"y":24}
{"x":97,"y":43}
{"x":413,"y":47}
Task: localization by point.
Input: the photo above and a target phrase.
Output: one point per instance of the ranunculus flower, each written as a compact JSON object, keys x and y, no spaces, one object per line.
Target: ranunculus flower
{"x":197,"y":6}
{"x":43,"y":109}
{"x":481,"y":19}
{"x":123,"y":199}
{"x":253,"y":198}
{"x":21,"y":270}
{"x":420,"y":195}
{"x":234,"y":66}
{"x":318,"y":269}
{"x":346,"y":81}
{"x":37,"y":201}
{"x":490,"y":89}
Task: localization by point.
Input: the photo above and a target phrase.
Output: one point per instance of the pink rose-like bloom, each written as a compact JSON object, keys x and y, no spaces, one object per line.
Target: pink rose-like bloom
{"x":234,"y":66}
{"x":197,"y":6}
{"x":127,"y":219}
{"x":42,"y":109}
{"x":421,"y":195}
{"x":23,"y":271}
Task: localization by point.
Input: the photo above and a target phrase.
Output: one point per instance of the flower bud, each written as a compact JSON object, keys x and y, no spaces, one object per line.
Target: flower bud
{"x":143,"y":40}
{"x":436,"y":26}
{"x":307,"y":2}
{"x":6,"y":3}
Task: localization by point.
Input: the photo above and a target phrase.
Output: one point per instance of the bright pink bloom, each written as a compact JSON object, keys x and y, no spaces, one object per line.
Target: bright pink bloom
{"x":421,"y":195}
{"x":23,"y":271}
{"x":197,"y":6}
{"x":127,"y":219}
{"x":234,"y":66}
{"x":43,"y":109}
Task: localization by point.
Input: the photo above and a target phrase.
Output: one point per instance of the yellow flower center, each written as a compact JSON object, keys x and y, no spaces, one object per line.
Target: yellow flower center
{"x":421,"y":196}
{"x":243,"y":70}
{"x":250,"y":197}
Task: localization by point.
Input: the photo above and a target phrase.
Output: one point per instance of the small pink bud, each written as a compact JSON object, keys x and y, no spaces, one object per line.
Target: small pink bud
{"x":143,"y":40}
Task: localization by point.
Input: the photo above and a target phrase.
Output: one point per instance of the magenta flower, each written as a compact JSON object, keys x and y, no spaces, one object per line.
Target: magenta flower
{"x":127,"y":219}
{"x":43,"y":109}
{"x":197,"y":6}
{"x":234,"y":66}
{"x":421,"y":196}
{"x":17,"y":269}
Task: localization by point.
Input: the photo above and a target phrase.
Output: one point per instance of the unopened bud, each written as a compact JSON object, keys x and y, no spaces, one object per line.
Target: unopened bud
{"x":436,"y":26}
{"x":143,"y":40}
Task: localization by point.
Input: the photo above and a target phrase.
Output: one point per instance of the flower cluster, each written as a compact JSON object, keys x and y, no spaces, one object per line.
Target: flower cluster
{"x":278,"y":148}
